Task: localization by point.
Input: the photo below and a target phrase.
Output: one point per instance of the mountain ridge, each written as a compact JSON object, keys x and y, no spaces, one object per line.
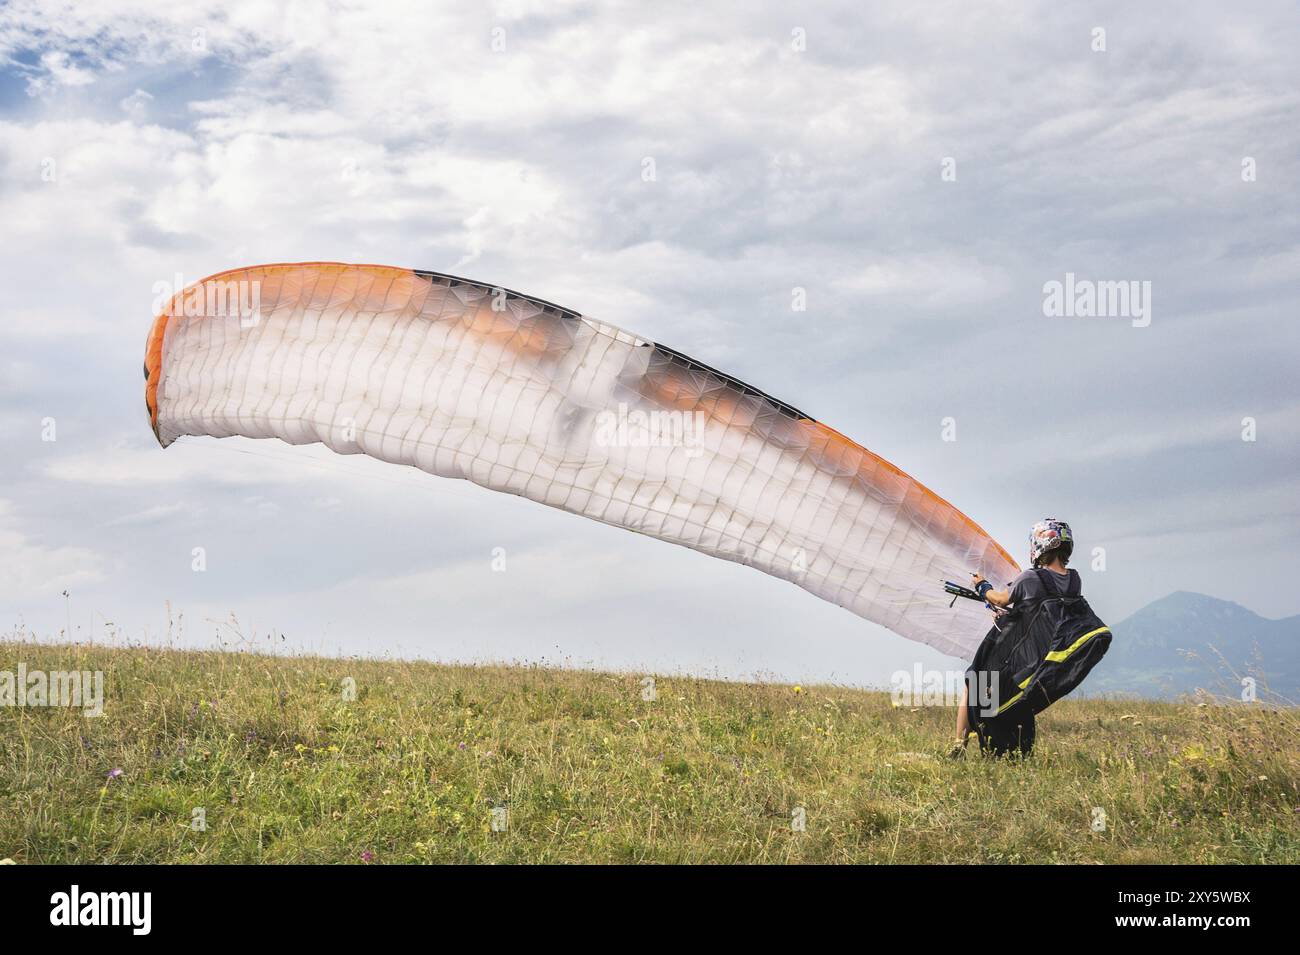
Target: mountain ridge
{"x":1188,"y":641}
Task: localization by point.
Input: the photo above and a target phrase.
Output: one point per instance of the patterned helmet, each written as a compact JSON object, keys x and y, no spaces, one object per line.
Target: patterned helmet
{"x":1048,"y":535}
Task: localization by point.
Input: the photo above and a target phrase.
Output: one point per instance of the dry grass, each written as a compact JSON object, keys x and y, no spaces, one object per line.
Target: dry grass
{"x":287,"y":770}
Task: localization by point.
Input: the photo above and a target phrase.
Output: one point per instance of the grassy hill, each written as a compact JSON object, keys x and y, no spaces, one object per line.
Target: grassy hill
{"x":285,"y":769}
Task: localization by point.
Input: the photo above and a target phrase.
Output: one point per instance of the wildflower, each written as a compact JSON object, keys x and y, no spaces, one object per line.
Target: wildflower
{"x":798,"y":689}
{"x":114,"y":773}
{"x":367,"y":856}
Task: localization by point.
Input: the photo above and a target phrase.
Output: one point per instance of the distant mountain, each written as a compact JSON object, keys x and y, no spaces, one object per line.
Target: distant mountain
{"x":1188,"y":641}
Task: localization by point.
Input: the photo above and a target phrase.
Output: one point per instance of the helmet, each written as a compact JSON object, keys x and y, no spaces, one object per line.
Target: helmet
{"x":1048,"y":535}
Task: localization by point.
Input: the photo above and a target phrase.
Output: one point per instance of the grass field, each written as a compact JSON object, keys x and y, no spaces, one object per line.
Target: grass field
{"x":285,"y":768}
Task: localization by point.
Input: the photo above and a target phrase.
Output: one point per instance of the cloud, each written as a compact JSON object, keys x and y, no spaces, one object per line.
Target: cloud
{"x":34,"y":570}
{"x":58,"y":69}
{"x":188,"y":462}
{"x":150,"y":515}
{"x":160,"y":139}
{"x":136,"y":105}
{"x":928,"y":280}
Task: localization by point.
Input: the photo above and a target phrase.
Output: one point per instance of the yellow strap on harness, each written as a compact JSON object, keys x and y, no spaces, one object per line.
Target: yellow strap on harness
{"x":1010,"y":701}
{"x":1058,"y":656}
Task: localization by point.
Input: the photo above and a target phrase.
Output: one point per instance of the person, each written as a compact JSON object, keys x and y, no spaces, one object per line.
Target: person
{"x":1050,"y":545}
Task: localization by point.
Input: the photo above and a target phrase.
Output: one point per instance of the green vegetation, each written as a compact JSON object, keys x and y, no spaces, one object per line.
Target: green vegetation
{"x":286,"y":769}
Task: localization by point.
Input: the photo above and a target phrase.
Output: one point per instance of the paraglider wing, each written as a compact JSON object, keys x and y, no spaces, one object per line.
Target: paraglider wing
{"x":465,"y":380}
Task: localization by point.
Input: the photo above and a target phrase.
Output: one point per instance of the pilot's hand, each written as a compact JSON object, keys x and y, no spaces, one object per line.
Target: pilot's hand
{"x":976,"y":579}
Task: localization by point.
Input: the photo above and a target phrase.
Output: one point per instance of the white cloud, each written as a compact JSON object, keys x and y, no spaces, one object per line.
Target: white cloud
{"x":188,"y":461}
{"x":35,"y":570}
{"x":150,"y":515}
{"x":280,"y":133}
{"x":929,"y":280}
{"x":136,"y":105}
{"x":59,"y":70}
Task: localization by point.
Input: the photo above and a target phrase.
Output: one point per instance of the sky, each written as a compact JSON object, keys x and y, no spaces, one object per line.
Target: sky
{"x":921,"y":174}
